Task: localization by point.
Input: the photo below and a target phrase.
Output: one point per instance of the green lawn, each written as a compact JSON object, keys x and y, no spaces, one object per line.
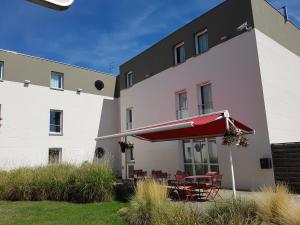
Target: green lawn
{"x":59,"y":213}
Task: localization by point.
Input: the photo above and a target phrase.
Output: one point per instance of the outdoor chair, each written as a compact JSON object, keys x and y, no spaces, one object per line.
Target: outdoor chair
{"x":215,"y":187}
{"x":139,"y":174}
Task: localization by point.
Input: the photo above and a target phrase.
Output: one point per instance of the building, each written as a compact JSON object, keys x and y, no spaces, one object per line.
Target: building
{"x":241,"y":56}
{"x":51,"y":112}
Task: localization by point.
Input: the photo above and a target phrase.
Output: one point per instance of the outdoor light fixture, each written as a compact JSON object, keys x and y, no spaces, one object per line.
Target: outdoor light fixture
{"x":54,"y":4}
{"x":26,"y":83}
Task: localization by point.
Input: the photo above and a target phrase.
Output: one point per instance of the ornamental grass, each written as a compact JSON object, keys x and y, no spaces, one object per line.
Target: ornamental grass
{"x":62,"y":182}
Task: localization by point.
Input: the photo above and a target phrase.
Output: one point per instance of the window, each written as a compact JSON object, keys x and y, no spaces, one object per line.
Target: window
{"x":182,"y":105}
{"x":179,"y":53}
{"x":130,"y":156}
{"x":129,"y":119}
{"x":205,"y":100}
{"x":55,"y":155}
{"x":1,"y":70}
{"x":99,"y":154}
{"x":129,"y":79}
{"x":201,"y":42}
{"x":200,"y":156}
{"x":57,"y":80}
{"x":56,"y":121}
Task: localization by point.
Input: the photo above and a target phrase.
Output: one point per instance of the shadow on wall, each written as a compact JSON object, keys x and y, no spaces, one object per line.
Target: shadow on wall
{"x":109,"y":124}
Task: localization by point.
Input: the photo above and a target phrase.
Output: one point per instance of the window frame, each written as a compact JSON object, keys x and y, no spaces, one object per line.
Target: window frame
{"x":62,"y":80}
{"x":179,"y":45}
{"x":127,"y":83}
{"x":200,"y":98}
{"x":180,"y":111}
{"x":209,"y":163}
{"x":61,"y":123}
{"x":1,"y":70}
{"x":130,"y":109}
{"x":59,"y":155}
{"x":197,"y":35}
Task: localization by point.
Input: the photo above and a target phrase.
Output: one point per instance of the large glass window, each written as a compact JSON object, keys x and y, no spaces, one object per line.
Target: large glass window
{"x":57,"y":80}
{"x":200,"y":156}
{"x":205,"y":99}
{"x":55,"y":122}
{"x":179,"y":53}
{"x":1,"y":70}
{"x":182,"y":105}
{"x":129,"y":119}
{"x":201,"y":40}
{"x":129,"y":79}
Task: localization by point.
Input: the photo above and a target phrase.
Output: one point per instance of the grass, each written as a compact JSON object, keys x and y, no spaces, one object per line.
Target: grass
{"x":150,"y":206}
{"x":276,"y":206}
{"x":63,"y":182}
{"x":60,"y":213}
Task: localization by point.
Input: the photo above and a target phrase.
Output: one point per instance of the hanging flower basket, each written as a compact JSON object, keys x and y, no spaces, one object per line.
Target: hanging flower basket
{"x":124,"y":145}
{"x":235,"y":136}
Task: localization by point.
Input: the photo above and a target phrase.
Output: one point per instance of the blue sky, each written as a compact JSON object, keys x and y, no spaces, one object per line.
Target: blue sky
{"x":99,"y":33}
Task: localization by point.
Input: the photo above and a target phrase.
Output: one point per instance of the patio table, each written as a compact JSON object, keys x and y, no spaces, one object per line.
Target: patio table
{"x":203,"y":184}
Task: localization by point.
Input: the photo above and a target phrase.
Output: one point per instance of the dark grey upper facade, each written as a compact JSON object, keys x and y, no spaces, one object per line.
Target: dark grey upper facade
{"x":19,"y":68}
{"x":221,"y":23}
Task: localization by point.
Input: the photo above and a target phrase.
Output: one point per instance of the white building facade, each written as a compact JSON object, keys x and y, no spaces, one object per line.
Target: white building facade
{"x":242,"y":56}
{"x":51,"y":112}
{"x":246,"y":62}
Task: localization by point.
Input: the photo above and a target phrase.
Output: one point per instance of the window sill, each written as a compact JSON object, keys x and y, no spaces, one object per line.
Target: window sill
{"x":197,"y":54}
{"x":55,"y":134}
{"x":179,"y":63}
{"x":57,"y":89}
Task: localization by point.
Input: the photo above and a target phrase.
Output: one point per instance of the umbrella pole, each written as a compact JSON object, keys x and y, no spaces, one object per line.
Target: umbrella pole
{"x":232,"y":174}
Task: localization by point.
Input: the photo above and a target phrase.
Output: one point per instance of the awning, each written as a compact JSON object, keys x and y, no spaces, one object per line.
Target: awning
{"x":208,"y":125}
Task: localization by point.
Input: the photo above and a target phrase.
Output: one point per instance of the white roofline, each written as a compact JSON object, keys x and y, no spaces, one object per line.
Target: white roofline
{"x":53,"y":61}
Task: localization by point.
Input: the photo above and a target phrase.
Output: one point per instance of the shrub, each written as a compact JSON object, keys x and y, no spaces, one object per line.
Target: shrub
{"x":85,"y":183}
{"x":174,"y":214}
{"x":232,"y":212}
{"x":149,"y":196}
{"x":276,"y":206}
{"x":123,"y":192}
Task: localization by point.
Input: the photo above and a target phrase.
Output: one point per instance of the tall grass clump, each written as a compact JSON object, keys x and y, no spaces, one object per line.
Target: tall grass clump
{"x":277,"y":207}
{"x":63,"y":182}
{"x":149,"y":196}
{"x":232,"y":212}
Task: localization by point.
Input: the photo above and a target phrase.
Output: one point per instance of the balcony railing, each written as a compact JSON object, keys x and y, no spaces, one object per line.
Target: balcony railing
{"x":205,"y":108}
{"x":181,"y":114}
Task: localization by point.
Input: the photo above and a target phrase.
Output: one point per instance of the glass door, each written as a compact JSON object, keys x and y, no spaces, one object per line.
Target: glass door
{"x":200,"y":156}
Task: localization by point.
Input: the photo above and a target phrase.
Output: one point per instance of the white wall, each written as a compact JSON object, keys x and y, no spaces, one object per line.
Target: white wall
{"x":24,"y":135}
{"x":280,"y":71}
{"x":234,"y":71}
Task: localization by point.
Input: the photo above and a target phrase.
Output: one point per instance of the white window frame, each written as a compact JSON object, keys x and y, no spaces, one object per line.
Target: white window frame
{"x":197,"y":35}
{"x":61,"y":78}
{"x":61,"y":122}
{"x":129,"y":82}
{"x":181,"y":113}
{"x":181,"y":44}
{"x":1,"y":70}
{"x":201,"y":111}
{"x":209,"y":163}
{"x":129,"y":123}
{"x":59,"y":155}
